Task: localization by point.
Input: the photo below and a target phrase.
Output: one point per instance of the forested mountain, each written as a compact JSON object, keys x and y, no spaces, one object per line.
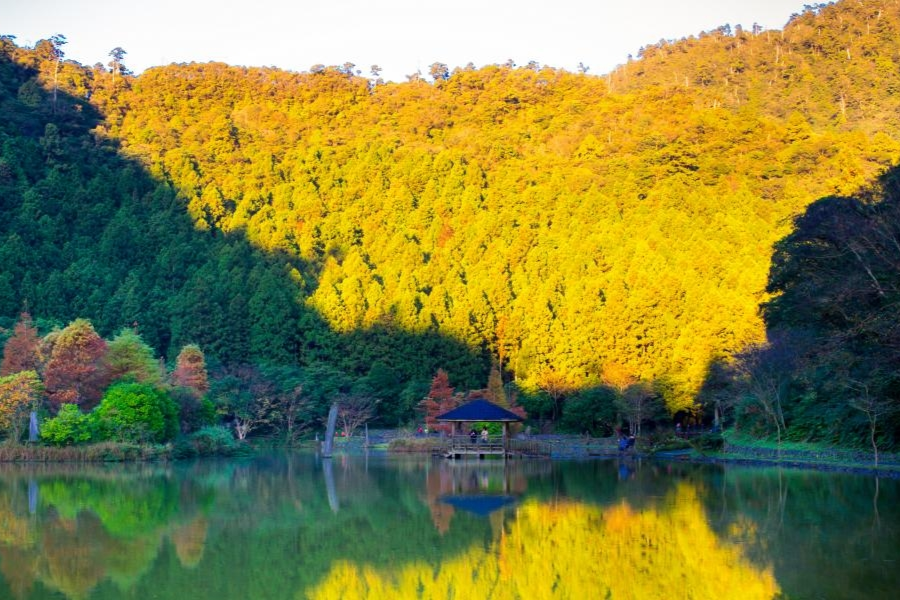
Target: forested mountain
{"x":574,"y":230}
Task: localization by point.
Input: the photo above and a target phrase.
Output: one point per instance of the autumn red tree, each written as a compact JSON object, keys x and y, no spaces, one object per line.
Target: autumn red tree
{"x":190,"y":370}
{"x":439,"y":400}
{"x":76,"y":372}
{"x":22,"y":350}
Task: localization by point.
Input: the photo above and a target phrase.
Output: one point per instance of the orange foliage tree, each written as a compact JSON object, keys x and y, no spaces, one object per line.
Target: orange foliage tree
{"x":439,"y":400}
{"x":76,"y":372}
{"x":22,"y":350}
{"x":190,"y":370}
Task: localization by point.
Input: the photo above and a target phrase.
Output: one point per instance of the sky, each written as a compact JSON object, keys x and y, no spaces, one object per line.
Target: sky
{"x":401,"y":36}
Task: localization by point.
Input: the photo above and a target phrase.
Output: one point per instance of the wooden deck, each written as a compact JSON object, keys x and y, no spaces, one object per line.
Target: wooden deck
{"x":462,"y":446}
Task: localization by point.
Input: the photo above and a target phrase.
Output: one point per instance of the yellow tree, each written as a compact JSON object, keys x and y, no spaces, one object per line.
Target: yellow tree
{"x":18,"y":394}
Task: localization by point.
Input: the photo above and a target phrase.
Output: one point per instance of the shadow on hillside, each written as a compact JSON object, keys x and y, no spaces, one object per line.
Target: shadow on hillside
{"x":87,"y":232}
{"x":833,"y":339}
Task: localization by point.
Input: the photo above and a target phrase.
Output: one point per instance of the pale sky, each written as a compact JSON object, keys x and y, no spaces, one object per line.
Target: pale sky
{"x":401,"y":36}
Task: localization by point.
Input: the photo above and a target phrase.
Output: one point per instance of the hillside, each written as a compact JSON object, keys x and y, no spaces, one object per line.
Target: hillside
{"x":573,"y":229}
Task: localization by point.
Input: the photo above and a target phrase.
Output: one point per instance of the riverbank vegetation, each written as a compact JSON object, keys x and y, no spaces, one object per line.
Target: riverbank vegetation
{"x":706,"y":236}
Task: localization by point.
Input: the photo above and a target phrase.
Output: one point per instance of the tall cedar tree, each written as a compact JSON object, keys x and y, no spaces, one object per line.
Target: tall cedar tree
{"x":77,"y":372}
{"x":22,"y":350}
{"x":129,"y":357}
{"x":439,"y":400}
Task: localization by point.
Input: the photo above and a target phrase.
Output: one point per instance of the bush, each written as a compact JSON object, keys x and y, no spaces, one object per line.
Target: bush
{"x":70,"y":426}
{"x":183,"y":448}
{"x":670,"y":444}
{"x":411,"y":444}
{"x":213,"y":441}
{"x":194,"y":413}
{"x":709,"y":442}
{"x":137,"y":412}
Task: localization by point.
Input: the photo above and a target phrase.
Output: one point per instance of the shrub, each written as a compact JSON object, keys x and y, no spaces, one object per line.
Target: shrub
{"x":669,"y":444}
{"x":194,"y":413}
{"x":213,"y":441}
{"x":69,"y":426}
{"x":137,"y":412}
{"x":410,"y":444}
{"x":709,"y":442}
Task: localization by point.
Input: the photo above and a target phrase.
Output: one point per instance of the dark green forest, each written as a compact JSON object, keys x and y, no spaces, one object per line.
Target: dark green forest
{"x":708,"y":230}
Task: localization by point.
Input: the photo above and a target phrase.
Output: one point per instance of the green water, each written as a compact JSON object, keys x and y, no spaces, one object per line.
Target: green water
{"x":294,"y":526}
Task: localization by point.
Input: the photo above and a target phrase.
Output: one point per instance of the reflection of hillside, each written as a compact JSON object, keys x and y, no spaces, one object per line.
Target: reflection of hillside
{"x":572,"y":550}
{"x":812,"y":523}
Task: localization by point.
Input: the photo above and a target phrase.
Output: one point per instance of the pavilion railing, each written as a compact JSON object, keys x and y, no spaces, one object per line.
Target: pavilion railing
{"x":497,"y":444}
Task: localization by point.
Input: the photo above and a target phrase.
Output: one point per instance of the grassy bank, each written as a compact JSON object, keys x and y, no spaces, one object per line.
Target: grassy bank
{"x":102,"y":452}
{"x":739,"y":448}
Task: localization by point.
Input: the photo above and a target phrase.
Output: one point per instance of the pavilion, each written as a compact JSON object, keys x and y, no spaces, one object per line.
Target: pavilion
{"x":478,"y":411}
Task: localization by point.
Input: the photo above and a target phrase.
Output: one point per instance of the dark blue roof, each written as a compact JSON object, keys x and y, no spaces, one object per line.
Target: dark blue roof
{"x":479,"y":410}
{"x":479,"y":505}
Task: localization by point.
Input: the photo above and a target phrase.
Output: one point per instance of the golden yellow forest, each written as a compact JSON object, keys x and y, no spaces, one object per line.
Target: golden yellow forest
{"x":575,"y":230}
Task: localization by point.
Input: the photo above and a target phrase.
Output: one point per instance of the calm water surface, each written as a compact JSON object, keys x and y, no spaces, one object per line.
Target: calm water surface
{"x":296,"y":527}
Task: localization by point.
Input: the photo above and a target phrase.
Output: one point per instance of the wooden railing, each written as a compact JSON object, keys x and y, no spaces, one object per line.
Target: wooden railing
{"x":465,"y":445}
{"x":528,"y":447}
{"x":474,"y":444}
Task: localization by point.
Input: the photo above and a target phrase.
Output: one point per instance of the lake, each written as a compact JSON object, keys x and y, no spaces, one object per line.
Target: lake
{"x":381,"y":527}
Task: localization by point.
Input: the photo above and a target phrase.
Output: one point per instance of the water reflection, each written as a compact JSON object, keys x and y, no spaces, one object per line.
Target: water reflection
{"x":568,"y":549}
{"x":478,"y":487}
{"x":292,"y":526}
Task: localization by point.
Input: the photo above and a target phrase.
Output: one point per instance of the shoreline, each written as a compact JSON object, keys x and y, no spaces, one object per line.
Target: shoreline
{"x":562,"y":447}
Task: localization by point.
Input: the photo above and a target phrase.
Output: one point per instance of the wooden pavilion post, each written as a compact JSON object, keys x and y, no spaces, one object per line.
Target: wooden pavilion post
{"x":505,"y":439}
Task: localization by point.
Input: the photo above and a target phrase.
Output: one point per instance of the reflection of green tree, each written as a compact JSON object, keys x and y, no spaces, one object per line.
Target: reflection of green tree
{"x":99,"y":529}
{"x":126,"y":509}
{"x":271,"y":517}
{"x":811,"y":523}
{"x":79,"y":555}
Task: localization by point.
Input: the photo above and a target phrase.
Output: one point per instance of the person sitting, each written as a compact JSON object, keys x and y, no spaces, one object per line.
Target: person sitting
{"x":473,"y":435}
{"x":626,"y":442}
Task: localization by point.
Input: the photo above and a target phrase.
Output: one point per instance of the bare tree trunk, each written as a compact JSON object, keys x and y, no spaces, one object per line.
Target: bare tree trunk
{"x":872,"y":424}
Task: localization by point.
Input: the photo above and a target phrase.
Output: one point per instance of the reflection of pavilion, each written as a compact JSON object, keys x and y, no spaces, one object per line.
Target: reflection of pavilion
{"x":479,"y":505}
{"x":482,"y":487}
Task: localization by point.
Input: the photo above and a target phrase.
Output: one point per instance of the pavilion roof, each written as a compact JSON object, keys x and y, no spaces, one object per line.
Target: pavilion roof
{"x":480,"y":410}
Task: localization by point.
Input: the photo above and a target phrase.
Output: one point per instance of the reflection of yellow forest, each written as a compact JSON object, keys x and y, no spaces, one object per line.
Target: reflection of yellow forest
{"x":570,"y":550}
